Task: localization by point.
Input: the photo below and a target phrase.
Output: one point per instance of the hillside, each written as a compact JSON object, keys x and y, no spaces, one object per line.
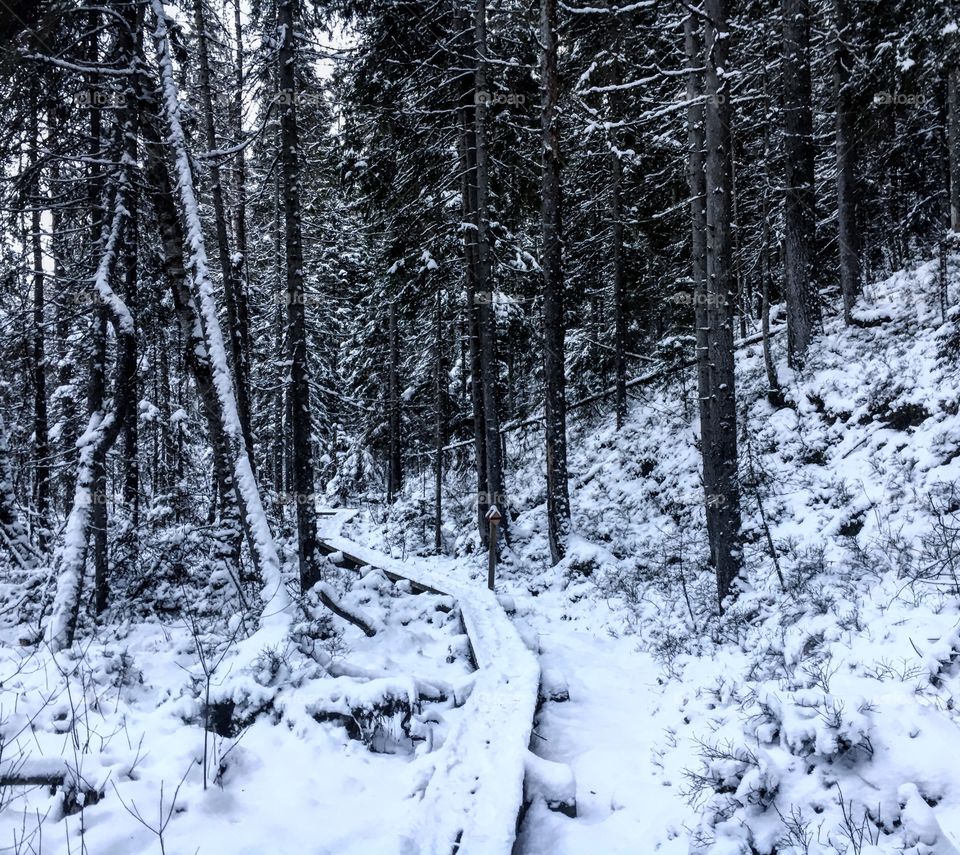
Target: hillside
{"x":817,"y":714}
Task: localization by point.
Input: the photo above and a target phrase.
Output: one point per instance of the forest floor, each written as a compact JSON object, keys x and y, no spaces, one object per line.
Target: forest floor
{"x":818,"y":715}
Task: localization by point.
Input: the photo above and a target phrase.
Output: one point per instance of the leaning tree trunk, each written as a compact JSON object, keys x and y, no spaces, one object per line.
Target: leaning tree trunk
{"x":847,"y":233}
{"x":277,"y":612}
{"x":720,"y":444}
{"x":551,"y":263}
{"x":195,"y":354}
{"x":799,"y":224}
{"x":228,"y":271}
{"x":102,"y":431}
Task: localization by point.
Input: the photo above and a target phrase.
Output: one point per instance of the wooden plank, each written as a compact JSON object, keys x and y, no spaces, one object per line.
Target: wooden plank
{"x":474,"y":786}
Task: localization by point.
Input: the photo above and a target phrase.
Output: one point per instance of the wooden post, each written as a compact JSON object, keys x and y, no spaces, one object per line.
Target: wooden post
{"x":493,"y":517}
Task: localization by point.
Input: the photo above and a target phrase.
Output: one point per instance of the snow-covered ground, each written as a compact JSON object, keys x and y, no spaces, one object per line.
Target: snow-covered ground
{"x":817,"y":715}
{"x":127,"y":713}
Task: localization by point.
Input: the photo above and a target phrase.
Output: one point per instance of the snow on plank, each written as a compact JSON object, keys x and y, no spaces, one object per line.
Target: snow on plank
{"x":472,"y":787}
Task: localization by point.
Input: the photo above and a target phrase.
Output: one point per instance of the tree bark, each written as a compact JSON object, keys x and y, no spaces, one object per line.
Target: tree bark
{"x":847,"y":233}
{"x":131,"y":45}
{"x":239,"y":258}
{"x":619,"y":286}
{"x":696,"y":181}
{"x":803,"y":311}
{"x":953,"y":135}
{"x":394,"y":455}
{"x":41,"y":442}
{"x":720,"y":444}
{"x":301,"y":418}
{"x":774,"y":390}
{"x":551,"y":263}
{"x":496,"y":491}
{"x":438,"y":427}
{"x":468,"y":194}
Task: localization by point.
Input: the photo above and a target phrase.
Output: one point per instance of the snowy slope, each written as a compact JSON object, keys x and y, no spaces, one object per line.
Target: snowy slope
{"x":817,"y":715}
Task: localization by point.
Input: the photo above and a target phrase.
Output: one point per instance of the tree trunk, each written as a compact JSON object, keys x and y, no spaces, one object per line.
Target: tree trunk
{"x":96,"y":491}
{"x":197,"y":359}
{"x":799,"y":222}
{"x":696,"y":180}
{"x":953,"y":135}
{"x":276,"y":611}
{"x":774,"y":391}
{"x":301,"y":418}
{"x":847,"y":234}
{"x":102,"y":431}
{"x":395,"y":459}
{"x":41,"y":443}
{"x":468,"y":195}
{"x":555,"y":410}
{"x":131,"y":45}
{"x":619,"y":286}
{"x":496,"y":494}
{"x":239,"y":258}
{"x":279,"y":450}
{"x":277,"y":608}
{"x":720,"y":444}
{"x":66,"y":395}
{"x":227,"y":267}
{"x":13,"y":532}
{"x":438,"y":431}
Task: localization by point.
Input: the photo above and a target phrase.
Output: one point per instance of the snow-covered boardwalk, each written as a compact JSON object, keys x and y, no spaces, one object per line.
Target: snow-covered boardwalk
{"x":473,"y":789}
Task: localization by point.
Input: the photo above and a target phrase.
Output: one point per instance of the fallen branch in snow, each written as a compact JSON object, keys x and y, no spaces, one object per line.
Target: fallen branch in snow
{"x":329,"y":598}
{"x":55,"y":772}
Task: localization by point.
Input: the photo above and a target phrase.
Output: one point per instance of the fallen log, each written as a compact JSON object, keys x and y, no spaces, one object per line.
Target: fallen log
{"x":642,"y":380}
{"x":53,"y":772}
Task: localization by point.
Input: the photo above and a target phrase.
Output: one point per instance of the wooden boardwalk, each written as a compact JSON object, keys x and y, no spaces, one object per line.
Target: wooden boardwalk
{"x":474,"y":792}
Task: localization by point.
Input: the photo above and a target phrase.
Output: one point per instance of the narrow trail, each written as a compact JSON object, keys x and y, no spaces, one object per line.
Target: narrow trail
{"x":609,"y":732}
